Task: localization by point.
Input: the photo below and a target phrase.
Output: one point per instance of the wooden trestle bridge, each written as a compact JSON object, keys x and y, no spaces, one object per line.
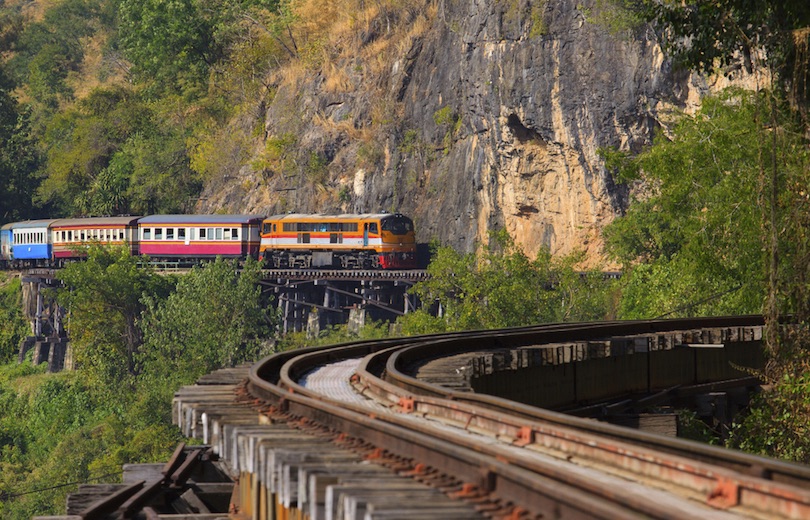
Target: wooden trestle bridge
{"x":308,"y":299}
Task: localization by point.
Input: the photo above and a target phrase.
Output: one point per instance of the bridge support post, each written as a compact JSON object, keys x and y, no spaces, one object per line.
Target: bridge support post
{"x":48,"y":341}
{"x":381,"y":294}
{"x":357,"y":319}
{"x":313,"y":324}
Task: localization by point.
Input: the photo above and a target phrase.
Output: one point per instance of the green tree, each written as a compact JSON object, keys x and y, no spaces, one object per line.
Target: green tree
{"x":160,"y":177}
{"x":18,"y":157}
{"x":170,"y":43}
{"x":113,"y":154}
{"x":103,"y":297}
{"x":696,"y":230}
{"x":216,"y":318}
{"x":770,"y":38}
{"x":726,"y":203}
{"x":776,"y":424}
{"x":15,"y":327}
{"x":47,"y":51}
{"x":501,"y":287}
{"x":57,"y":429}
{"x":81,"y":143}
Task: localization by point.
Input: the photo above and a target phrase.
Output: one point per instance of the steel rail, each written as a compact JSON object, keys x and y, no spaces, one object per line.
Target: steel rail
{"x":395,"y":364}
{"x":763,"y":467}
{"x":488,"y":474}
{"x":621,"y":451}
{"x":634,"y":500}
{"x":281,"y":389}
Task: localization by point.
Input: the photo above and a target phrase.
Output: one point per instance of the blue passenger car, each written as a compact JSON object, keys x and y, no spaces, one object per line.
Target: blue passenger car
{"x":31,"y":242}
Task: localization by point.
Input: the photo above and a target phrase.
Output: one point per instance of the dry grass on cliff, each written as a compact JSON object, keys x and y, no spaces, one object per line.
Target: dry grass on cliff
{"x":346,"y":39}
{"x":32,"y":10}
{"x":345,"y":127}
{"x":335,"y":79}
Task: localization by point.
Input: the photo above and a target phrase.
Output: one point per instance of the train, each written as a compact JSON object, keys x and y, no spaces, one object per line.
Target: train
{"x":293,"y":241}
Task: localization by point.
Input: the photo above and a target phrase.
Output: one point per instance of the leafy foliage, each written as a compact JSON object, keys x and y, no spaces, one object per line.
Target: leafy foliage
{"x":81,"y":426}
{"x":772,"y":39}
{"x":170,"y":44}
{"x":174,"y":45}
{"x":113,"y":155}
{"x":55,"y":432}
{"x":696,"y":230}
{"x":82,"y":141}
{"x":125,"y":147}
{"x":104,"y":302}
{"x":15,"y":327}
{"x":48,"y":51}
{"x":502,"y":287}
{"x":215,"y":318}
{"x":18,"y":157}
{"x":776,"y":424}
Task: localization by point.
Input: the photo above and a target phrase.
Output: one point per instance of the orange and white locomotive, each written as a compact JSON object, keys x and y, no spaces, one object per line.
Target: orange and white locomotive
{"x":373,"y":241}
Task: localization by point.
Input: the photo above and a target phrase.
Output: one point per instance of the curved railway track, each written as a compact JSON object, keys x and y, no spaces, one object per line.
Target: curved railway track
{"x":320,"y":407}
{"x":538,"y":460}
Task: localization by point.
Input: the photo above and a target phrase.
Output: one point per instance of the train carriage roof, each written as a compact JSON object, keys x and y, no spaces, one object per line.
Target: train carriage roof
{"x":95,"y":222}
{"x":200,"y":219}
{"x":345,"y":216}
{"x":28,"y":224}
{"x":7,"y":227}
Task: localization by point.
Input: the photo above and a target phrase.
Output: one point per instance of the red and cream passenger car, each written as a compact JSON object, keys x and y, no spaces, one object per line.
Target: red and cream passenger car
{"x":180,"y":237}
{"x":69,"y":236}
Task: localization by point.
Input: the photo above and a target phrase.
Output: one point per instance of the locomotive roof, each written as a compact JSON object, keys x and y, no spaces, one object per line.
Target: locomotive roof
{"x":345,"y":216}
{"x":95,"y":221}
{"x":28,"y":224}
{"x":200,"y":219}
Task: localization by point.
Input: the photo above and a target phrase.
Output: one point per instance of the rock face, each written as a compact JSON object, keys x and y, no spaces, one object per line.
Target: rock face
{"x":493,"y":115}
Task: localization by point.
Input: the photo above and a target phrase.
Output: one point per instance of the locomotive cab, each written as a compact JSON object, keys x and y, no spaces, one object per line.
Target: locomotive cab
{"x":397,"y":229}
{"x":398,"y":242}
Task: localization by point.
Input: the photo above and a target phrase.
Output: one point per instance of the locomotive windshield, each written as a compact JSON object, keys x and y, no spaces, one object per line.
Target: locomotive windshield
{"x":397,"y":224}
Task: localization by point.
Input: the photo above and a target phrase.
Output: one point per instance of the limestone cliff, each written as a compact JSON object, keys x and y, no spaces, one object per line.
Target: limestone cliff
{"x":468,"y":116}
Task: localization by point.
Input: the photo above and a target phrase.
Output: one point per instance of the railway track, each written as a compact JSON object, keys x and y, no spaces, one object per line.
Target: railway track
{"x":661,"y":477}
{"x":330,"y":418}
